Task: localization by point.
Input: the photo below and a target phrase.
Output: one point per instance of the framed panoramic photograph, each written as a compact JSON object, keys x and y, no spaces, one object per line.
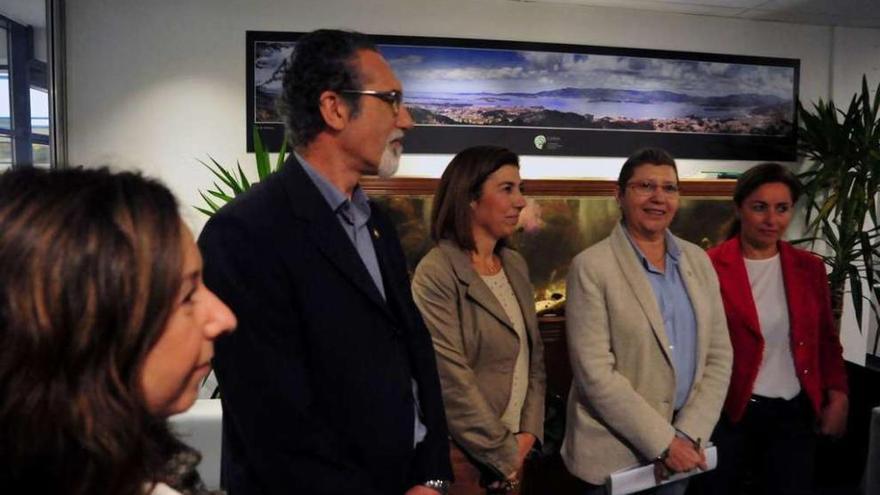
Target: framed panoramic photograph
{"x":574,"y":100}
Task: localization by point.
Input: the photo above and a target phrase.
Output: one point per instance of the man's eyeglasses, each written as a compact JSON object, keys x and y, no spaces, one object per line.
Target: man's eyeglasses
{"x":647,"y":187}
{"x":393,"y":97}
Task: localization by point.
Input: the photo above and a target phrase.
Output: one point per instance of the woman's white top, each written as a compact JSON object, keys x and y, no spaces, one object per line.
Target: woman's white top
{"x":776,"y":377}
{"x":503,"y":291}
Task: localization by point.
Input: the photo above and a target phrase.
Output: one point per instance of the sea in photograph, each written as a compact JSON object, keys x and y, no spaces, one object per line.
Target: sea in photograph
{"x":634,"y":108}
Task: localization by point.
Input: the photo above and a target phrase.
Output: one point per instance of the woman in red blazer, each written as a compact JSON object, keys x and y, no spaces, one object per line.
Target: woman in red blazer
{"x":788,"y":380}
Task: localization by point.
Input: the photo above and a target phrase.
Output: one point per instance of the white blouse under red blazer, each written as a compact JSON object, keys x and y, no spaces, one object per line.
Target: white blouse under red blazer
{"x":815,"y":344}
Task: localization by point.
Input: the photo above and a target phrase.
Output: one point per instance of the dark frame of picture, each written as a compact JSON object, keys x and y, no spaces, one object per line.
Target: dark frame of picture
{"x":692,"y":122}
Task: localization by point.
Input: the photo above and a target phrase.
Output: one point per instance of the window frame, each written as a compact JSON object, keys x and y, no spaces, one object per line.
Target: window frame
{"x":24,"y":73}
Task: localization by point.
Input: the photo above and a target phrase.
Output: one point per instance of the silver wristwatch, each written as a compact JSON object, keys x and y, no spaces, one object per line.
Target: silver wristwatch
{"x":440,"y":486}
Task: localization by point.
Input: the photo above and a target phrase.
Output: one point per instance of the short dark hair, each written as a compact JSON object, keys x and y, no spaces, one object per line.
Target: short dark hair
{"x":461,"y":183}
{"x":757,"y":176}
{"x":656,"y":156}
{"x":91,"y":264}
{"x":323,"y":60}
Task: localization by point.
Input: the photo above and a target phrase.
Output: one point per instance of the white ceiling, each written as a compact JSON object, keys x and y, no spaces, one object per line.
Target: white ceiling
{"x":27,"y":12}
{"x":851,"y":13}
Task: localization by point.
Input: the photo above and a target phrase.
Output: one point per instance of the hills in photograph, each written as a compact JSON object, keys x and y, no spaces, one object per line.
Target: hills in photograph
{"x":649,"y":97}
{"x":604,"y":108}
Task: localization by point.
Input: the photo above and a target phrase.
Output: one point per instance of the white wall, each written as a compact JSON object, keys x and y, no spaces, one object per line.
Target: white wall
{"x":155,"y":85}
{"x":856,"y":52}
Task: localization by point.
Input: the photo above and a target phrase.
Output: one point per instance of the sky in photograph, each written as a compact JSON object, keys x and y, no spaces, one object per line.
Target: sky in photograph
{"x":466,"y":70}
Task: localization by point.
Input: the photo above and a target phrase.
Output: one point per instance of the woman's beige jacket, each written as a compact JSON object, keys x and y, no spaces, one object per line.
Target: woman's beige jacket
{"x":620,"y":408}
{"x":476,"y":348}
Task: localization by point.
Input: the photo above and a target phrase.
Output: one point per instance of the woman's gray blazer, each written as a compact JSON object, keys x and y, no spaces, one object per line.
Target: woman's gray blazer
{"x":476,"y":348}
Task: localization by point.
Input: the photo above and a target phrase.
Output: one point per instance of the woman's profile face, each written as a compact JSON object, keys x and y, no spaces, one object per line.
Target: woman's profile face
{"x":181,"y":359}
{"x":496,"y":212}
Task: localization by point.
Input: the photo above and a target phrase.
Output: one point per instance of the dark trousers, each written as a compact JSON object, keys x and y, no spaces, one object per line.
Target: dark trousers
{"x":771,"y":451}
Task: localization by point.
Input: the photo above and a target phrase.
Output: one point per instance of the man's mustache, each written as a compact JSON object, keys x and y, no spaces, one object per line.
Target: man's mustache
{"x":396,"y":135}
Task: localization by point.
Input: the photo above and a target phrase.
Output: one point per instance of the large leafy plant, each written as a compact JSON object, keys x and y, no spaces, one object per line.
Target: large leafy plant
{"x":233,"y":180}
{"x":841,"y":188}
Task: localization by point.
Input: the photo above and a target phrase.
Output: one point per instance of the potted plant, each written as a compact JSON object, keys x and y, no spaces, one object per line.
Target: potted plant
{"x":234,"y":179}
{"x":840,"y":190}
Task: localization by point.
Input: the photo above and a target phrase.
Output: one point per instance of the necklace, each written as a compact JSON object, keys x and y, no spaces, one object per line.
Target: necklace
{"x":487,"y":267}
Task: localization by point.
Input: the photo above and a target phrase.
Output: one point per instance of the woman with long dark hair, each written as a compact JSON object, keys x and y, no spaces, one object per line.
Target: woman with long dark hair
{"x":476,"y":299}
{"x":105,"y":330}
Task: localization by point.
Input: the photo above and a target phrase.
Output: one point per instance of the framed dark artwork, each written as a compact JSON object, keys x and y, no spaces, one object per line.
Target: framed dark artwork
{"x":562,"y":218}
{"x":554,"y":99}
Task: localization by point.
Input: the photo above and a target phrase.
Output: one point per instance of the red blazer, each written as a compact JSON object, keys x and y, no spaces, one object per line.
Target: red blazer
{"x":815,"y":344}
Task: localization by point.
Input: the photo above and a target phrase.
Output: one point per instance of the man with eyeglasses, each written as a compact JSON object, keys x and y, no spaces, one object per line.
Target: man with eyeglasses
{"x":329,"y":385}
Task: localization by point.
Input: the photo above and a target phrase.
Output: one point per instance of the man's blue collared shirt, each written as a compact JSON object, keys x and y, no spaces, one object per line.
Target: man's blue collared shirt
{"x":353,"y":215}
{"x":678,"y":315}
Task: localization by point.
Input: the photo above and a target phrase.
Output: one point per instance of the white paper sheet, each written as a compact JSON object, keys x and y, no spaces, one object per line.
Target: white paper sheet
{"x":638,"y":478}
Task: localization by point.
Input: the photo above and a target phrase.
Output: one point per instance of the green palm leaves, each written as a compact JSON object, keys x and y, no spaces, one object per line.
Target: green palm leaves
{"x":841,"y":188}
{"x":233,"y":180}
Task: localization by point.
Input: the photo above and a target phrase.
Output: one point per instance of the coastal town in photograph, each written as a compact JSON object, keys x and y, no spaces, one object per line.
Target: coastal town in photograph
{"x":464,"y":86}
{"x":491,"y":87}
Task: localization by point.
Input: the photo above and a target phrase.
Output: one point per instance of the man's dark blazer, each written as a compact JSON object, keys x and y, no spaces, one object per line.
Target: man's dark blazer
{"x":316,"y":380}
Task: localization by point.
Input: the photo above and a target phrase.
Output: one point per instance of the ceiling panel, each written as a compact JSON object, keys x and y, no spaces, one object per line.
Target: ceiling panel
{"x":699,"y":8}
{"x":858,"y":13}
{"x":813,"y":18}
{"x":813,"y":6}
{"x":734,"y":4}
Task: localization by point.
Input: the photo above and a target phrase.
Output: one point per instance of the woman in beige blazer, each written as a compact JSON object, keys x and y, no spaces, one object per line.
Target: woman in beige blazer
{"x":476,"y":299}
{"x":647,"y":338}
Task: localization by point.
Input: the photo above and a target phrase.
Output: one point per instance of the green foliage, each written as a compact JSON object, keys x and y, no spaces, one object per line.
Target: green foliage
{"x":233,"y":180}
{"x":840,"y":189}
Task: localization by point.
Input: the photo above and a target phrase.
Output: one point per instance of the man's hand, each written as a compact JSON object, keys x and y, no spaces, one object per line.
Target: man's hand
{"x":684,"y":456}
{"x":832,"y":420}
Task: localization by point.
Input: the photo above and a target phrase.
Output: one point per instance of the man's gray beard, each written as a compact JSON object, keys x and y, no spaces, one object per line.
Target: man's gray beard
{"x":389,"y":162}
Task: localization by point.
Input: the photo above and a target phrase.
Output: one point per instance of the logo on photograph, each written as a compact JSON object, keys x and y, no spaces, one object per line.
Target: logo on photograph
{"x":540,"y":141}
